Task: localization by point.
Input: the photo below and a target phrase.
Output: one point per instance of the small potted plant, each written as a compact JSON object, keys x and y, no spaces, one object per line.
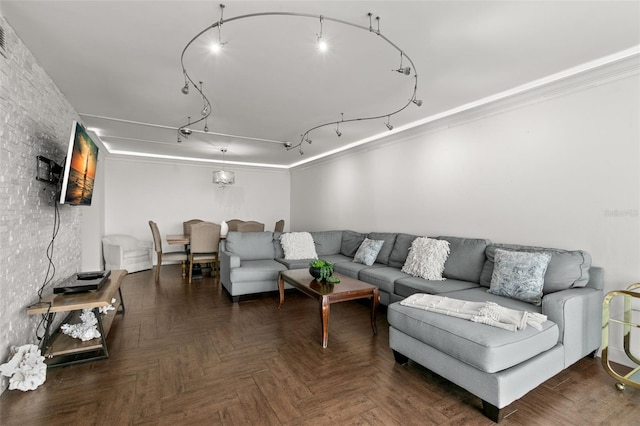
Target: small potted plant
{"x":322,"y":271}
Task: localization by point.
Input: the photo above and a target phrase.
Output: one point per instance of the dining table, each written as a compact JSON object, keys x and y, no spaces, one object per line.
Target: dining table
{"x":183,"y":239}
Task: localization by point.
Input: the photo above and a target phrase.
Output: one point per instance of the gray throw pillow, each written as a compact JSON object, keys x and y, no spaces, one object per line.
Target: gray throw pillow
{"x":368,"y":251}
{"x":519,"y":275}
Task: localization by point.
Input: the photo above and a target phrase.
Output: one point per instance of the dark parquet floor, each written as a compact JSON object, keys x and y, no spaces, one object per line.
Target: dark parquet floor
{"x":184,"y":354}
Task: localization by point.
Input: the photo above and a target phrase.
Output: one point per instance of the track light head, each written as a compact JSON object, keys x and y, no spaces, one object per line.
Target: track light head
{"x":338,"y":132}
{"x":185,"y":131}
{"x":405,"y":70}
{"x":206,"y":128}
{"x":185,"y":88}
{"x":389,"y":126}
{"x":179,"y":139}
{"x":287,"y":145}
{"x":417,"y":102}
{"x":205,"y":110}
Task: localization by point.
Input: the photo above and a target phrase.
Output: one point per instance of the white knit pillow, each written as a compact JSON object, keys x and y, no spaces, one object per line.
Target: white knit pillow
{"x":298,"y":245}
{"x":426,"y":258}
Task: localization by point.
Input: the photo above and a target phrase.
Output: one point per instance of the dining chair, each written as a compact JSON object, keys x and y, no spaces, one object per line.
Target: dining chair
{"x":279,"y":226}
{"x":251,"y":226}
{"x":172,"y":256}
{"x":186,"y":226}
{"x":233,"y":224}
{"x":205,"y":243}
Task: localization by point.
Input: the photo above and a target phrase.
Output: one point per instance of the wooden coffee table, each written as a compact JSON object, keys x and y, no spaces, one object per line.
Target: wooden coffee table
{"x":326,"y":294}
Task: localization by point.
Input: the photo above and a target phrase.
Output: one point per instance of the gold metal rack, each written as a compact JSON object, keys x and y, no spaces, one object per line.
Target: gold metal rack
{"x":630,"y":314}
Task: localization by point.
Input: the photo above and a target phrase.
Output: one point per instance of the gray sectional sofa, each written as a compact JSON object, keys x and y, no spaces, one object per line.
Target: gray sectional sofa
{"x":496,"y":365}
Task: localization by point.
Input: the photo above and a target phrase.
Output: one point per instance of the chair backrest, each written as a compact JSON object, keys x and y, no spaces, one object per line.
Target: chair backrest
{"x":157,"y":241}
{"x":186,"y":226}
{"x":279,"y":226}
{"x":233,"y":224}
{"x":205,"y":237}
{"x":251,"y":226}
{"x":127,"y":242}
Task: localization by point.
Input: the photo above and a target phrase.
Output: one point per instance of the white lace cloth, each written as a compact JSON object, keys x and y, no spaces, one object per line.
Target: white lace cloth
{"x":482,"y":312}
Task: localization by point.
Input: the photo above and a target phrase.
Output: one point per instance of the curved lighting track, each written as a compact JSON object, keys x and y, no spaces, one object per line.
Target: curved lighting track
{"x":184,"y":130}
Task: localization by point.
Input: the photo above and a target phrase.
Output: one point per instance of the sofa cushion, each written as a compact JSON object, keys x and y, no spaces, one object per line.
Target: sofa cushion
{"x":426,"y":258}
{"x":352,"y":269}
{"x":401,"y":250}
{"x":327,"y":242}
{"x":298,"y":245}
{"x":250,"y":245}
{"x":368,"y":251}
{"x":466,"y":258}
{"x":519,"y":275}
{"x":336,"y":258}
{"x":256,"y":270}
{"x":482,"y":346}
{"x":566,"y":268}
{"x":295,"y":263}
{"x":384,"y":278}
{"x":350,"y":242}
{"x":389,"y":240}
{"x":405,"y":287}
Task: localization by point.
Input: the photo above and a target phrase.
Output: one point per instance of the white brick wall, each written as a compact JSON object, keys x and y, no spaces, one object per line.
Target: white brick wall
{"x":36,"y":120}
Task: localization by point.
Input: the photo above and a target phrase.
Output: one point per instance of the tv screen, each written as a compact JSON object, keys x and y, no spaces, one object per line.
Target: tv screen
{"x":79,"y":169}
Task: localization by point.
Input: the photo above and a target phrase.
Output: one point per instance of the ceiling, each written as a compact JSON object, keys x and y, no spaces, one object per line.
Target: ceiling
{"x":118,"y":64}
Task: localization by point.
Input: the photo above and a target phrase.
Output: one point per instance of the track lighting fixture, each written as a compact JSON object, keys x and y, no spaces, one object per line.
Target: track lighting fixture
{"x":216,"y":46}
{"x":185,"y":130}
{"x":322,"y":45}
{"x":388,"y":123}
{"x":338,"y":132}
{"x":401,"y":69}
{"x":205,"y":106}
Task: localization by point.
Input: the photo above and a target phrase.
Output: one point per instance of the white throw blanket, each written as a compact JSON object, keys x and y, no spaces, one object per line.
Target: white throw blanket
{"x":483,"y":312}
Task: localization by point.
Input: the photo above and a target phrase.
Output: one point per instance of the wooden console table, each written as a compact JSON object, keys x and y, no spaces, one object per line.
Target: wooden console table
{"x":60,"y":349}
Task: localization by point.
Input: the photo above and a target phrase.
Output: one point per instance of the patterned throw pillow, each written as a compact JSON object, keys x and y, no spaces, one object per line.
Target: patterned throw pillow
{"x":426,"y":258}
{"x":519,"y":275}
{"x":298,"y":245}
{"x":368,"y":251}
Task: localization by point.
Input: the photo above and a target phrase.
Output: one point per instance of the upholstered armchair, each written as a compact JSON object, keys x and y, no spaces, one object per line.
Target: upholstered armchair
{"x":126,"y":252}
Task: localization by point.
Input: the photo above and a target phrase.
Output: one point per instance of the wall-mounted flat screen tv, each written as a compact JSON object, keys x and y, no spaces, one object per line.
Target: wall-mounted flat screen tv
{"x":79,"y":169}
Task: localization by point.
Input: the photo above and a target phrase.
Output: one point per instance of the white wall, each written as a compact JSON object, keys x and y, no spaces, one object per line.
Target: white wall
{"x":36,"y":120}
{"x":558,"y":172}
{"x":93,"y":222}
{"x":137,"y":191}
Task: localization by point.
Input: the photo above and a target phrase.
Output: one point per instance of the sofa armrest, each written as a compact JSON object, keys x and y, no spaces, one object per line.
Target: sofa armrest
{"x":113,"y":254}
{"x":228,"y":261}
{"x":578,"y":314}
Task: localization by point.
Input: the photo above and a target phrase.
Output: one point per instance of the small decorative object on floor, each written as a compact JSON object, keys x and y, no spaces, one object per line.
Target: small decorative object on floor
{"x":322,"y":271}
{"x":26,"y":368}
{"x":84,"y":331}
{"x":104,"y":309}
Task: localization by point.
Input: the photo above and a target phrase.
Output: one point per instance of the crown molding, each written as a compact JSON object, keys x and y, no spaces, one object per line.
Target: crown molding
{"x":592,"y":74}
